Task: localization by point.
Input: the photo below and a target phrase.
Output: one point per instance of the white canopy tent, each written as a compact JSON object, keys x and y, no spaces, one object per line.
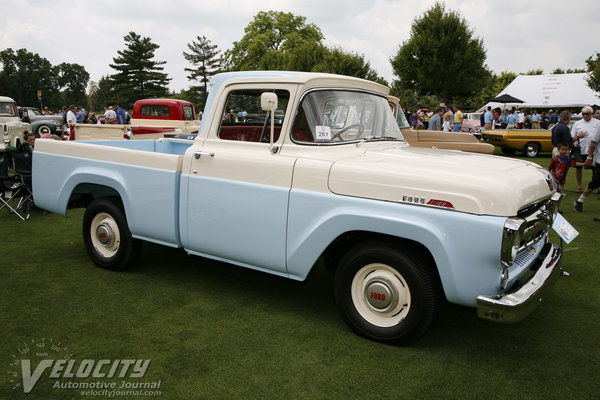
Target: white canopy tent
{"x":550,"y":91}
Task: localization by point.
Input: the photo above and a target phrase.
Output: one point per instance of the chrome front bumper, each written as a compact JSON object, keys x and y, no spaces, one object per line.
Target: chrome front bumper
{"x":515,"y":305}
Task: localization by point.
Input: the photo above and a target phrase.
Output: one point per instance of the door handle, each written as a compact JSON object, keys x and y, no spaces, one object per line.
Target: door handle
{"x":198,"y":154}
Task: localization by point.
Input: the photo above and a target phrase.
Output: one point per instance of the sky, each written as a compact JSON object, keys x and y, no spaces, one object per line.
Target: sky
{"x":518,"y":35}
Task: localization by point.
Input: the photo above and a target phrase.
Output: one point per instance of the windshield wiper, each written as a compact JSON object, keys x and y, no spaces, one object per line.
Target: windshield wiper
{"x":379,"y":138}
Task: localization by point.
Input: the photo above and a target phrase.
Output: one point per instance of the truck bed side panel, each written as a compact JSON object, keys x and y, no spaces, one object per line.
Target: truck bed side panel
{"x":148,"y":183}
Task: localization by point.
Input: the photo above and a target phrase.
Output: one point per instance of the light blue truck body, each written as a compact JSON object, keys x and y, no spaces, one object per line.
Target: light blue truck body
{"x":281,"y":229}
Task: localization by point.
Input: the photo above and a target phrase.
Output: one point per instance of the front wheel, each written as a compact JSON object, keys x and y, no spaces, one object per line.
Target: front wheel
{"x":531,"y":149}
{"x":387,"y":292}
{"x":106,"y":235}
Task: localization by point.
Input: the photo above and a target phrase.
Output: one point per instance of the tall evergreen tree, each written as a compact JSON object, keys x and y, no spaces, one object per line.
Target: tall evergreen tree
{"x":442,"y":57}
{"x":206,"y":62}
{"x":138,"y":76}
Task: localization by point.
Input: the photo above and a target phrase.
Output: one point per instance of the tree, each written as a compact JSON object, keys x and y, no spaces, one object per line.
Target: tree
{"x":23,"y":74}
{"x":495,"y":85}
{"x":558,"y":71}
{"x":269,"y":39}
{"x":593,"y":67}
{"x":204,"y":56}
{"x":337,"y":61}
{"x":72,"y":80}
{"x":282,"y":41}
{"x":441,"y":57}
{"x":103,"y":95}
{"x":537,"y":71}
{"x":138,"y":76}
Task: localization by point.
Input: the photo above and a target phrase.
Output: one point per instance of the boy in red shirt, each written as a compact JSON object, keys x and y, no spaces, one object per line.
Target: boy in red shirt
{"x":559,"y":166}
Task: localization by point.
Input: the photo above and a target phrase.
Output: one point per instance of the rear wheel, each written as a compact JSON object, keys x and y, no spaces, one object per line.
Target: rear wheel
{"x":531,"y":149}
{"x":106,"y":235}
{"x":387,"y":292}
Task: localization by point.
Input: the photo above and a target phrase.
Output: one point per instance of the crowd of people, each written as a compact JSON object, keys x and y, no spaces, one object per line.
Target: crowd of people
{"x":78,"y":115}
{"x":447,"y":119}
{"x":450,"y":118}
{"x":576,"y":146}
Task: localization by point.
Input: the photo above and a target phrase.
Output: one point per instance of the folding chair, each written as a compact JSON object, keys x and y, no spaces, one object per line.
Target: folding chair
{"x":22,"y":169}
{"x":11,"y":190}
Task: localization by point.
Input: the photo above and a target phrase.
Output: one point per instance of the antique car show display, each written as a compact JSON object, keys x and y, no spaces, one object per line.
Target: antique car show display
{"x":43,"y":124}
{"x":150,"y":119}
{"x":438,"y":139}
{"x":528,"y":141}
{"x":472,"y":124}
{"x":11,"y":124}
{"x":321,"y":170}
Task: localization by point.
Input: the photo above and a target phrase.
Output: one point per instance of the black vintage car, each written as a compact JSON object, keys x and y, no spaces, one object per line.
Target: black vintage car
{"x":41,"y":123}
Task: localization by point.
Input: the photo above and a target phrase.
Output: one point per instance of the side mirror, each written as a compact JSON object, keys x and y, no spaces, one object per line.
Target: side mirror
{"x":268,"y":101}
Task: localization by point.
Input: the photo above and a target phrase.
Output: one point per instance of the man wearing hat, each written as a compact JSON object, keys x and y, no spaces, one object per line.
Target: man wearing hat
{"x":581,"y":132}
{"x":71,"y":117}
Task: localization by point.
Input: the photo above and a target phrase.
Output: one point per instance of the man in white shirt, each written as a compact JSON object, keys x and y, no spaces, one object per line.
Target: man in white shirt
{"x":71,"y":116}
{"x":110,"y":116}
{"x":593,"y":161}
{"x":584,"y":128}
{"x":520,"y":119}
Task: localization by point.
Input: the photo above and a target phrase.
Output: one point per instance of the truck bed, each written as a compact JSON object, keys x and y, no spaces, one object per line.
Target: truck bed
{"x":145,"y":174}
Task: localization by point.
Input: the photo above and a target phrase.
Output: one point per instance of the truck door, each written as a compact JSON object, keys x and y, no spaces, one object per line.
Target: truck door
{"x":237,"y":191}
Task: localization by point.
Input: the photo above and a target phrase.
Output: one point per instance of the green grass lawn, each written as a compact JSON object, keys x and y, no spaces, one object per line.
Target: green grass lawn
{"x":216,"y":331}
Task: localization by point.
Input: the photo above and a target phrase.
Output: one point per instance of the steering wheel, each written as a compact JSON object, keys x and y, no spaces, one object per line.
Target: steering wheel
{"x":361,"y":129}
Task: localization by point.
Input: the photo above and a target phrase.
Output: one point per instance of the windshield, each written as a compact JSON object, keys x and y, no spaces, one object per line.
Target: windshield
{"x":339,"y":116}
{"x":7,"y":109}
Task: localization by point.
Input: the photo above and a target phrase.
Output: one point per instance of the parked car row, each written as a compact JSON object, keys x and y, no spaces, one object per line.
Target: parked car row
{"x":41,"y":123}
{"x":465,"y":141}
{"x":528,"y":141}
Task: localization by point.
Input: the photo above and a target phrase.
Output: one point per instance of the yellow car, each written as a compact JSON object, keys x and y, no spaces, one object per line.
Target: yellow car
{"x":442,"y":140}
{"x":529,"y":141}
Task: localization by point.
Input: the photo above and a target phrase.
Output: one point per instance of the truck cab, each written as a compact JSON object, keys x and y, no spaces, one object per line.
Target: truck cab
{"x":12,"y":126}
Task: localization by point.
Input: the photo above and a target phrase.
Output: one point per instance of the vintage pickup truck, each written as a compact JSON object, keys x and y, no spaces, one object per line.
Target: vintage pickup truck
{"x":401,"y":228}
{"x":150,"y":119}
{"x":11,"y":124}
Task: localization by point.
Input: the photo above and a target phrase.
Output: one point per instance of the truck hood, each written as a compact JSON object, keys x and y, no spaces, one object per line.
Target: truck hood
{"x":473,"y":183}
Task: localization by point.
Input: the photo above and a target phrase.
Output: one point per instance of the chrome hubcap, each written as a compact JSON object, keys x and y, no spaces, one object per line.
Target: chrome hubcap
{"x":105,"y":235}
{"x":380,"y":295}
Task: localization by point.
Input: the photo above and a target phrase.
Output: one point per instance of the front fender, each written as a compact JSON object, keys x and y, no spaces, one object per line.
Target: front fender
{"x":465,"y":247}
